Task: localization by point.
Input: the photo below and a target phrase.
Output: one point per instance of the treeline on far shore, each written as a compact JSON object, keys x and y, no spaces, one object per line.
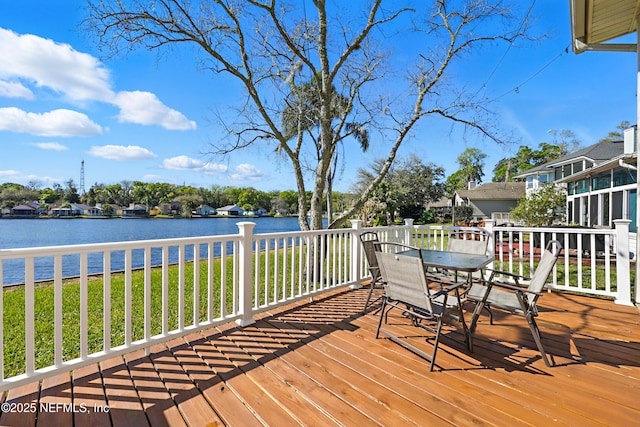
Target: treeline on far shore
{"x":128,"y":194}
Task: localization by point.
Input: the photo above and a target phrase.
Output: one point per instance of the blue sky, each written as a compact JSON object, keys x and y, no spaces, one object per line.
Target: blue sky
{"x":151,"y":118}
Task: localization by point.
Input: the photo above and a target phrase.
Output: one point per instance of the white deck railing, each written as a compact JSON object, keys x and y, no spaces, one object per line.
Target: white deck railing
{"x":130,"y":295}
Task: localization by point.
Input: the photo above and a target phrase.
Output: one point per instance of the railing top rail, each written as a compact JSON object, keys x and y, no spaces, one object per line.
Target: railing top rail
{"x":569,"y":230}
{"x":277,"y":234}
{"x":109,"y":246}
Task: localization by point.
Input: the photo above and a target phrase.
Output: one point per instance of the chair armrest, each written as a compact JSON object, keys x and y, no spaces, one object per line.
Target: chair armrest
{"x":513,"y":287}
{"x":448,"y":289}
{"x":506,"y":273}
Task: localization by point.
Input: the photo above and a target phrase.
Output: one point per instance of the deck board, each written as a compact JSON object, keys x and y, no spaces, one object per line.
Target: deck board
{"x":319,"y":363}
{"x":88,"y":389}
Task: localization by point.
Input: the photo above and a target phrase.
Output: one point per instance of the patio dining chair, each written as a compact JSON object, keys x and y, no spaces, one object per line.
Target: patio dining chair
{"x":474,"y":241}
{"x":503,"y":291}
{"x":406,"y":288}
{"x":369,"y":240}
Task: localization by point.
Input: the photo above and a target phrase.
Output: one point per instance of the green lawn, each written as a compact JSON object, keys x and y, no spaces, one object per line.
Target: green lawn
{"x":14,"y":316}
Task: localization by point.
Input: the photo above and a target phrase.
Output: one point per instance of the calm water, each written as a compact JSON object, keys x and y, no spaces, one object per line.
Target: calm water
{"x":22,"y":233}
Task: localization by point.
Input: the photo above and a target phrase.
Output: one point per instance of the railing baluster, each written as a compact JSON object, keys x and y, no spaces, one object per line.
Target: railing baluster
{"x":147,"y":296}
{"x":594,"y":255}
{"x":285,"y":268}
{"x":267,"y":271}
{"x":181,"y":255}
{"x":332,"y":255}
{"x":567,"y":264}
{"x":301,"y":258}
{"x":295,"y":282}
{"x":57,"y":309}
{"x":196,"y":285}
{"x":106,"y":300}
{"x":607,"y":262}
{"x":84,"y":307}
{"x":256,"y":274}
{"x":165,"y":290}
{"x":210,"y":281}
{"x":223,"y":280}
{"x":532,"y":258}
{"x":29,"y":316}
{"x":127,"y":296}
{"x":276,"y":270}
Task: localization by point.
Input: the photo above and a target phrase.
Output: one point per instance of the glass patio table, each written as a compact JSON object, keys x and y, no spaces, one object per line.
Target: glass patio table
{"x":457,"y":261}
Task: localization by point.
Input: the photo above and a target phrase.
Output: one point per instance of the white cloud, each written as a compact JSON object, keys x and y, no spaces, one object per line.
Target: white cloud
{"x":146,"y":109}
{"x":151,"y":178}
{"x":55,"y":146}
{"x":58,"y":66}
{"x":188,"y":163}
{"x":15,"y":90}
{"x":8,"y":173}
{"x":60,"y":122}
{"x":248,"y":172}
{"x":29,"y":60}
{"x":120,"y":152}
{"x":18,"y":177}
{"x":181,"y":163}
{"x":213,"y":168}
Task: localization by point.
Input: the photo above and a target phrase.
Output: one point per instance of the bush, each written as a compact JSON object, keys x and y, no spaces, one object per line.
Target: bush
{"x":463,"y":213}
{"x":427,"y":217}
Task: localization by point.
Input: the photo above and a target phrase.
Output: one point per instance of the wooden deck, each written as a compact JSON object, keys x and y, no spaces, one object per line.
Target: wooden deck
{"x":319,"y":364}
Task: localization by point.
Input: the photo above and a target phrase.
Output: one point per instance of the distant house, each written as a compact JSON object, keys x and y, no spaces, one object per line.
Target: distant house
{"x":134,"y":211}
{"x":66,"y":211}
{"x":441,"y":207}
{"x":257,"y":212}
{"x":83,"y":209}
{"x":23,"y":211}
{"x":205,"y":210}
{"x":600,"y":181}
{"x":173,"y":208}
{"x":231,"y":210}
{"x":493,"y":200}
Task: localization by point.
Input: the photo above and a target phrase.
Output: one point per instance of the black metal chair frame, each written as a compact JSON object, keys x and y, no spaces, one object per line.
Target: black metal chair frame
{"x":407,"y":289}
{"x":369,"y":239}
{"x":513,"y":298}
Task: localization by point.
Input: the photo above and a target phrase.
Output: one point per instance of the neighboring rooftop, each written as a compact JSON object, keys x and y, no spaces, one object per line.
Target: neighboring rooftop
{"x":495,"y":191}
{"x":597,"y":153}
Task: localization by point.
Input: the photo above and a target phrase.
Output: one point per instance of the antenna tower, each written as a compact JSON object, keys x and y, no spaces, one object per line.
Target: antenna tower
{"x":82,"y":177}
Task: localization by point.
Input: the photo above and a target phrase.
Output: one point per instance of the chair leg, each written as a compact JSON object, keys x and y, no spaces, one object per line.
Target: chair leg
{"x":535,"y":331}
{"x":366,"y":304}
{"x":435,"y":344}
{"x":488,"y":308}
{"x":382,"y":314}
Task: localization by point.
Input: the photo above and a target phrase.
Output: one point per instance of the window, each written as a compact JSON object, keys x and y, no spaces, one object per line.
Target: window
{"x":557,"y":173}
{"x":530,"y":182}
{"x":582,"y":186}
{"x":623,"y":176}
{"x":570,"y":211}
{"x":577,"y":167}
{"x":606,"y":218}
{"x":602,"y":181}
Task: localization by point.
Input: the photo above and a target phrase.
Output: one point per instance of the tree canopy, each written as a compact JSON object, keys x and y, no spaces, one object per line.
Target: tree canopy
{"x":409,"y":186}
{"x":471,"y":163}
{"x":543,"y":207}
{"x":270,"y":46}
{"x":563,"y":142}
